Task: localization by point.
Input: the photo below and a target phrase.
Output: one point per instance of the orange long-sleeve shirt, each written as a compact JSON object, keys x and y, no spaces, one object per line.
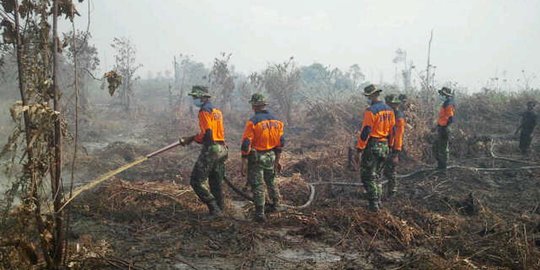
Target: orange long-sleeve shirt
{"x":398,"y":132}
{"x":263,"y":132}
{"x":446,"y":113}
{"x":211,"y":125}
{"x":379,"y":119}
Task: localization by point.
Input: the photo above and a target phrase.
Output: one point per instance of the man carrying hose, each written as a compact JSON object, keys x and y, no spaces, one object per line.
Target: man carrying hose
{"x":446,"y":117}
{"x":261,"y":151}
{"x":372,"y":142}
{"x":395,"y":143}
{"x":211,"y":162}
{"x":527,"y":125}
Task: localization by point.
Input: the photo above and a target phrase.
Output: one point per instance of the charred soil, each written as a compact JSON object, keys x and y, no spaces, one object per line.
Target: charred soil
{"x":149,"y":218}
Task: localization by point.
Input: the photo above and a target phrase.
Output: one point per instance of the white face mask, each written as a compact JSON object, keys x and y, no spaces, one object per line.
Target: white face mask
{"x":197,"y":102}
{"x":442,"y":98}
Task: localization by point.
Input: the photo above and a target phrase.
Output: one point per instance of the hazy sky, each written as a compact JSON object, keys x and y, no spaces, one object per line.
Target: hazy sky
{"x":473,"y":39}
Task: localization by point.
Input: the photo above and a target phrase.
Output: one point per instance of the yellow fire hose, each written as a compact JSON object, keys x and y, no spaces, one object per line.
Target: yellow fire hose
{"x":92,"y":184}
{"x":112,"y":173}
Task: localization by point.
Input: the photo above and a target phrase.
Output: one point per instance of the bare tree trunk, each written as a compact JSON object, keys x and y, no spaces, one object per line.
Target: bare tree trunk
{"x":56,"y":185}
{"x":175,"y":67}
{"x":28,"y":136}
{"x":172,"y":89}
{"x":83,"y":95}
{"x":182,"y":94}
{"x":75,"y":136}
{"x":128,"y":82}
{"x":288,"y":108}
{"x":428,"y":67}
{"x":179,"y":83}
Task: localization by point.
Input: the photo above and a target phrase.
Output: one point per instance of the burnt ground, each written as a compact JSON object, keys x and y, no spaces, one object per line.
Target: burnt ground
{"x":148,"y":218}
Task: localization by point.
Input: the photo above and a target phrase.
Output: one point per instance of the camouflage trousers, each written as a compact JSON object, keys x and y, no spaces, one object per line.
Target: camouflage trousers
{"x":260,"y":172}
{"x":440,"y":147}
{"x":390,"y":173}
{"x":210,"y":166}
{"x":525,"y":140}
{"x":372,"y":164}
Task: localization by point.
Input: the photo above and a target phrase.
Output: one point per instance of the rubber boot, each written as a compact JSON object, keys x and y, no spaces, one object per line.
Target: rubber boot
{"x":379,"y":191}
{"x":275,"y":207}
{"x":374,"y":206}
{"x":392,"y":189}
{"x":441,"y":165}
{"x":259,"y":217}
{"x":441,"y":169}
{"x":214,"y":210}
{"x":220,"y":201}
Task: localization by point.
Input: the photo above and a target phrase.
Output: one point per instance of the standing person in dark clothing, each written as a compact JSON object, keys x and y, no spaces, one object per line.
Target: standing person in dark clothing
{"x":527,"y":125}
{"x":446,"y":117}
{"x":395,"y":143}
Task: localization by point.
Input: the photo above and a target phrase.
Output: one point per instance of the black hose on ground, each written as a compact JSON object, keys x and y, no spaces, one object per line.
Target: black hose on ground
{"x":250,"y":198}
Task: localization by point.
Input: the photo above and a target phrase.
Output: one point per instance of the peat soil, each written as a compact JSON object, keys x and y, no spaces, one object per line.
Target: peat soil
{"x":148,"y":217}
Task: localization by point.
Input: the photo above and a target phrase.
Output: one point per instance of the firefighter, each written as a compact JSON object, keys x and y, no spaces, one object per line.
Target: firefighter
{"x":372,"y":143}
{"x":446,"y":118}
{"x":262,"y":143}
{"x":395,"y":143}
{"x":527,"y":125}
{"x":210,"y":165}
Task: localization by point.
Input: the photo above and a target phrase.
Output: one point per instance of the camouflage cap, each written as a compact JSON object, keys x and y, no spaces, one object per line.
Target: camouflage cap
{"x":198,"y":91}
{"x":392,"y":99}
{"x":445,"y":91}
{"x":258,"y":99}
{"x":370,"y":90}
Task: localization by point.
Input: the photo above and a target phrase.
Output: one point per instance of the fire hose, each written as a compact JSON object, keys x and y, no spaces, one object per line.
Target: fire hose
{"x":250,"y":198}
{"x":112,"y":173}
{"x":108,"y":175}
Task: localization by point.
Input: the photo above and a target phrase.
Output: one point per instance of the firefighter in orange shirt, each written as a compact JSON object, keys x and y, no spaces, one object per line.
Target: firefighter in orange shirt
{"x":262,"y":143}
{"x":211,"y":162}
{"x":446,"y":118}
{"x":396,"y":143}
{"x":372,"y":142}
